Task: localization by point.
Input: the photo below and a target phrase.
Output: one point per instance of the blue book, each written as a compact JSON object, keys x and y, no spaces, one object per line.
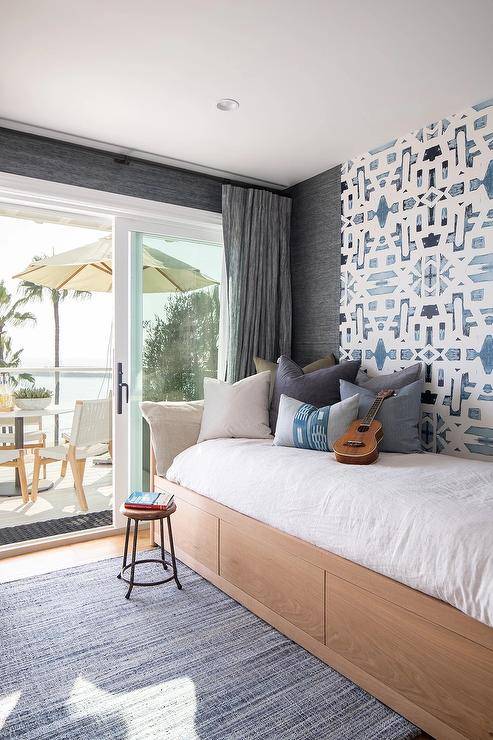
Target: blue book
{"x":152,"y":501}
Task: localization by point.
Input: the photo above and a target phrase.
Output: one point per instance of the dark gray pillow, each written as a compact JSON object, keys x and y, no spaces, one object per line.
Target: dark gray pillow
{"x":393,"y":381}
{"x":320,"y":388}
{"x":398,"y":415}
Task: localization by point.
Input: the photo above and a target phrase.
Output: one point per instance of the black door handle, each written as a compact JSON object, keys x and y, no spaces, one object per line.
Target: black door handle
{"x":120,"y":386}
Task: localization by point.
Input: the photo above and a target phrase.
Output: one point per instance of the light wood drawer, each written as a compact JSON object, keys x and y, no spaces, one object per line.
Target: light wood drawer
{"x":420,"y":660}
{"x":195,"y":533}
{"x":286,"y":584}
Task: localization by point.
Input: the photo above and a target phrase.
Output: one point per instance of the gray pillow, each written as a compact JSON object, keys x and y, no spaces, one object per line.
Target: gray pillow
{"x":398,"y":415}
{"x":320,"y":388}
{"x":393,"y":381}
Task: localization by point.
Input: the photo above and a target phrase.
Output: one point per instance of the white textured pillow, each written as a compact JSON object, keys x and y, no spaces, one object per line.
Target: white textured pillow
{"x":238,"y":410}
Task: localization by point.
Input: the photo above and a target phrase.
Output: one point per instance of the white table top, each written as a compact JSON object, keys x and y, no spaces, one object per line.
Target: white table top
{"x":48,"y":411}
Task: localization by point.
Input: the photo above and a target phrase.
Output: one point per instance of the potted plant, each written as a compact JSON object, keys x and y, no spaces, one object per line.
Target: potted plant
{"x":32,"y":398}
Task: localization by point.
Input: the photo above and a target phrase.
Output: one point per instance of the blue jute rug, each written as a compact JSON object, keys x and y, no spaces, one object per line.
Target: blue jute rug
{"x":80,"y":661}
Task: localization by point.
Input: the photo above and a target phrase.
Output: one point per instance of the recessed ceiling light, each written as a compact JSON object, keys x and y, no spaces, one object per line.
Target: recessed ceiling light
{"x":227,"y":104}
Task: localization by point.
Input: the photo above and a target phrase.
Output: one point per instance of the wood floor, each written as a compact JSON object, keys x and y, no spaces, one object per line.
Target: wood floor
{"x":66,"y":556}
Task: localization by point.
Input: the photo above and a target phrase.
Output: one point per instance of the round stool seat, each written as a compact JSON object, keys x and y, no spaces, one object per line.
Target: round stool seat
{"x":143,"y":515}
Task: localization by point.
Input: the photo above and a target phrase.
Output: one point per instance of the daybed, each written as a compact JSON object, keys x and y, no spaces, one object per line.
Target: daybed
{"x":356,"y":564}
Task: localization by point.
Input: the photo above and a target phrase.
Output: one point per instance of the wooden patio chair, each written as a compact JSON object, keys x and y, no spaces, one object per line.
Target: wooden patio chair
{"x":90,"y":436}
{"x":15,"y":459}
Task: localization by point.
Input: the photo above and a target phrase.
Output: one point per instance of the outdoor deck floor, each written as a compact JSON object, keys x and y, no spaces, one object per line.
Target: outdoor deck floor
{"x":59,"y":501}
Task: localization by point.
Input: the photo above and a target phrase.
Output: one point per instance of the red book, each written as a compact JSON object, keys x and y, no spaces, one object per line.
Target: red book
{"x":149,"y":501}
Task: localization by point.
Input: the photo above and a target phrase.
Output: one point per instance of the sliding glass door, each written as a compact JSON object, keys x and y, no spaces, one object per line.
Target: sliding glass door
{"x":56,"y":320}
{"x":168,"y":339}
{"x":105,"y":301}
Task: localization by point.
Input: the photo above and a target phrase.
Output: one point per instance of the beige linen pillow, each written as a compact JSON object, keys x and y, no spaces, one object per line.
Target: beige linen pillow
{"x":174,"y":425}
{"x":237,"y":410}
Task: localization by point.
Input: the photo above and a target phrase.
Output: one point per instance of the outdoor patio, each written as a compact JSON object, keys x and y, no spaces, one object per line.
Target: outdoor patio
{"x":59,"y":502}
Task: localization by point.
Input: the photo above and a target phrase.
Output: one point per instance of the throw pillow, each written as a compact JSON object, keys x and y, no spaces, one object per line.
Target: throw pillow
{"x":303,"y":425}
{"x":238,"y":410}
{"x":398,"y":415}
{"x":261,"y":366}
{"x":393,"y":381}
{"x":320,"y":388}
{"x":174,"y":425}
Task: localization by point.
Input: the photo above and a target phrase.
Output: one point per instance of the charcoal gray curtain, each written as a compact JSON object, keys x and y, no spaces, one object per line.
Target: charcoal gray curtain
{"x":256,"y":227}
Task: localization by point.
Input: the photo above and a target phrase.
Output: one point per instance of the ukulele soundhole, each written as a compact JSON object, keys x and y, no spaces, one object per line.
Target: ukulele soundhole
{"x":362,"y":428}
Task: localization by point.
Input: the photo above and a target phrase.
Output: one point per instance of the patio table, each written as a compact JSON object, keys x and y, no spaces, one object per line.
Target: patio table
{"x":6,"y":488}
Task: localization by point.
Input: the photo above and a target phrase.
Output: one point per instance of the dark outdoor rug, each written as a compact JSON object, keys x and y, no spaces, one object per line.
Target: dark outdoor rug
{"x":23,"y":532}
{"x":80,"y":661}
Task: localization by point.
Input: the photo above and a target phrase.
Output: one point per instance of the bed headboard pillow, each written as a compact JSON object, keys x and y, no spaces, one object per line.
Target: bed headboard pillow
{"x":398,"y":415}
{"x":319,"y":388}
{"x":262,"y":366}
{"x":303,"y":425}
{"x":236,"y":410}
{"x":393,"y":380}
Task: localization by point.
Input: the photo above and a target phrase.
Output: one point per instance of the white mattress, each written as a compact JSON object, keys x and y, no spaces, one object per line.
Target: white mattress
{"x":424,"y":520}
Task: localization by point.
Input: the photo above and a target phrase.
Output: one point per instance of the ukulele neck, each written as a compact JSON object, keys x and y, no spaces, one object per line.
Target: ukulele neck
{"x":372,"y":412}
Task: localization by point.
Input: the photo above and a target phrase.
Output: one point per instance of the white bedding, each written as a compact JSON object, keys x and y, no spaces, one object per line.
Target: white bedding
{"x":425,"y":520}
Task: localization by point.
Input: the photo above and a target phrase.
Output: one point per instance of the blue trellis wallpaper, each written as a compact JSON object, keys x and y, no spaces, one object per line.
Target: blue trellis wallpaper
{"x":417,"y":271}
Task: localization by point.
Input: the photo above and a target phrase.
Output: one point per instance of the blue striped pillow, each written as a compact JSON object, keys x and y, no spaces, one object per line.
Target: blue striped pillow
{"x":303,"y":425}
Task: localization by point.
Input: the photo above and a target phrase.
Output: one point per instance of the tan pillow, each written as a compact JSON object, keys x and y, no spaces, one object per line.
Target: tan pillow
{"x":262,"y":366}
{"x":175,"y":426}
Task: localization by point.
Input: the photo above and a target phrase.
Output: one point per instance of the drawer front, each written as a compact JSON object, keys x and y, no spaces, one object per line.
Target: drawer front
{"x":291,"y":587}
{"x":422,"y":661}
{"x":195,"y":533}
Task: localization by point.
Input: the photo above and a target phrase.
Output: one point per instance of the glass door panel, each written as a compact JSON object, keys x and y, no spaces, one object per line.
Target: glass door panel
{"x":175,"y":328}
{"x":56,"y":320}
{"x":174,"y":318}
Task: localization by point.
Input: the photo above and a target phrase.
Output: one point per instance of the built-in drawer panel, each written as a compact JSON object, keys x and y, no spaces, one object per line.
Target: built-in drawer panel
{"x":420,"y":660}
{"x":195,"y":533}
{"x":286,"y":584}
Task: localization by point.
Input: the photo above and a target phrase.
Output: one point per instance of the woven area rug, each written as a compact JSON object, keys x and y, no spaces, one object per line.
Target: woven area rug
{"x":80,"y":661}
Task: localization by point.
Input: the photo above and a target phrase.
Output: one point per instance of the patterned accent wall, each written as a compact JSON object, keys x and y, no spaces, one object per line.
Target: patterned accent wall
{"x":417,"y":271}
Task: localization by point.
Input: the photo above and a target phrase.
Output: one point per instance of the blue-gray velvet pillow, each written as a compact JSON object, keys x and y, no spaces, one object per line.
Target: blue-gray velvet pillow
{"x":395,"y":380}
{"x":319,"y":388}
{"x":398,"y":415}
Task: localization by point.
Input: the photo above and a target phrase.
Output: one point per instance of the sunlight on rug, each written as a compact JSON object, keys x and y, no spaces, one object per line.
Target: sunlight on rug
{"x":171,"y":664}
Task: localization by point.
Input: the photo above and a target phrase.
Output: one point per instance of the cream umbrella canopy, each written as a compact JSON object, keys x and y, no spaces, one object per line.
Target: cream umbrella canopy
{"x":90,"y":268}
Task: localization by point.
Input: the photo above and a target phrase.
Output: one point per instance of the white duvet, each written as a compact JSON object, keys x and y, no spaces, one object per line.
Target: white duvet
{"x":425,"y":520}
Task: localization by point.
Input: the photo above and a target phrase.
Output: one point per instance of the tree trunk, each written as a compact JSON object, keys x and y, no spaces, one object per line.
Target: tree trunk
{"x":56,"y":318}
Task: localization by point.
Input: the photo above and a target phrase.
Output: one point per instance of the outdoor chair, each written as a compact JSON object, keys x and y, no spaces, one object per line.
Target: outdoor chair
{"x":15,"y":459}
{"x":32,"y":439}
{"x":90,"y":436}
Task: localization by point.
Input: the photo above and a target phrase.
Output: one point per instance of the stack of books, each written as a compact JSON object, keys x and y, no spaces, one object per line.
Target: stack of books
{"x":149,"y":501}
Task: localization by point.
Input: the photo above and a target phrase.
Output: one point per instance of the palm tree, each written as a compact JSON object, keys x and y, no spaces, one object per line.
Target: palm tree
{"x":12,"y":359}
{"x":33,"y":292}
{"x":11,"y":315}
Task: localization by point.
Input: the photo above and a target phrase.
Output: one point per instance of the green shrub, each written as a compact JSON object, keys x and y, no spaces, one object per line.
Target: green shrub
{"x":33,"y":392}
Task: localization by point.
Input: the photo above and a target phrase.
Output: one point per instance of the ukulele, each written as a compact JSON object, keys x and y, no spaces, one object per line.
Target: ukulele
{"x":359,"y":446}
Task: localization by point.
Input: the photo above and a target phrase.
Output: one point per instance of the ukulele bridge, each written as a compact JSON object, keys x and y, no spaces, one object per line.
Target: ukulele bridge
{"x":354,"y":443}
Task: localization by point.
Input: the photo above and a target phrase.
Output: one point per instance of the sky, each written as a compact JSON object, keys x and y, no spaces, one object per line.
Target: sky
{"x":85,"y":326}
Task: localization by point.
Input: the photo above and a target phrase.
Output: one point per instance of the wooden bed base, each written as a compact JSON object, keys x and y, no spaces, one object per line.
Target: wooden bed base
{"x":418,"y":655}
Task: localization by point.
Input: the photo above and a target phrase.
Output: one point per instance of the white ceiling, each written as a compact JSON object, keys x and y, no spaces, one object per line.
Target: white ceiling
{"x":318,"y":80}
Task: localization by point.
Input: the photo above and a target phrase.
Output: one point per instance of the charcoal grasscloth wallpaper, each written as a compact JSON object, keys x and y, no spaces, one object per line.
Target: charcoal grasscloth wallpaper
{"x":417,"y":272}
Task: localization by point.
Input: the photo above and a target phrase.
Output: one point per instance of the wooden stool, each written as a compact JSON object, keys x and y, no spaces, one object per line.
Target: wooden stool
{"x":143,"y":515}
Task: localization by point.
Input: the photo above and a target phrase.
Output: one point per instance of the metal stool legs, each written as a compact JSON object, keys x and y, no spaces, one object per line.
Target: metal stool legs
{"x":172,"y":549}
{"x":162,"y":560}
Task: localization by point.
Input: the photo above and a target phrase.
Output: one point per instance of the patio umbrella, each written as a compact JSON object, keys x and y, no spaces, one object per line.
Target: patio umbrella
{"x":90,"y":268}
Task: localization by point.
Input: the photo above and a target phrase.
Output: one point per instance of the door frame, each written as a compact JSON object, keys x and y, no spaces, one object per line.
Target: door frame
{"x":127,"y":214}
